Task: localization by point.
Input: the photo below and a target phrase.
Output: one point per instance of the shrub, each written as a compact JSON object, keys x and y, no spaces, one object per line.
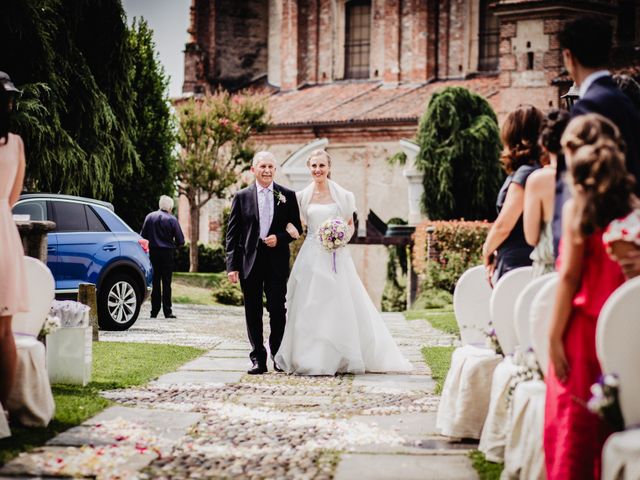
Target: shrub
{"x":394,"y":297}
{"x":455,"y":246}
{"x":211,"y":258}
{"x":432,"y":298}
{"x":228,"y":293}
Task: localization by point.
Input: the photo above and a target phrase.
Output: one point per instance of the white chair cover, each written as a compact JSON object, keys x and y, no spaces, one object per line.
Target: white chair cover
{"x":31,"y":401}
{"x":540,"y":316}
{"x":40,"y":293}
{"x":522,"y":309}
{"x":471,"y":305}
{"x":466,"y":392}
{"x":524,"y":455}
{"x":496,"y":426}
{"x":502,"y":305}
{"x":621,"y":456}
{"x":617,"y":336}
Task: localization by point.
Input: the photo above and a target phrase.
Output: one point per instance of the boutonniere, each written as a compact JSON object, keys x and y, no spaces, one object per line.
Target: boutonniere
{"x":279,"y":196}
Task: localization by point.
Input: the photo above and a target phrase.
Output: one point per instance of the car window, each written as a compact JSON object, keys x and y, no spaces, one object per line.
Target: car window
{"x":70,"y":217}
{"x":94,"y":222}
{"x":35,"y":209}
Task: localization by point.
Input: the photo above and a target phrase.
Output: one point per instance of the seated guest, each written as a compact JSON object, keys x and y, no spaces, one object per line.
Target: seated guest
{"x":602,"y":191}
{"x":540,"y":192}
{"x":505,"y":247}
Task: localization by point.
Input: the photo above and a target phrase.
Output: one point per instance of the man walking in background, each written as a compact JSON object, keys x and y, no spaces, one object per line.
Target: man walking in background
{"x":163,"y":231}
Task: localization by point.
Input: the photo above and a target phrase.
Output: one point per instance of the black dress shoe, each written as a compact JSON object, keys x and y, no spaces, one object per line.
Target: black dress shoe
{"x":277,"y":368}
{"x":171,"y":315}
{"x":257,"y":369}
{"x":153,"y":315}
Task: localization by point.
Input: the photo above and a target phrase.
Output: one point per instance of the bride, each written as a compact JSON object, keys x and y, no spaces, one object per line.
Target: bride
{"x":332,"y":325}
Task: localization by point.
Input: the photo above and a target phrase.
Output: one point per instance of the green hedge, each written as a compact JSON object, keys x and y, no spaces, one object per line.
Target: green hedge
{"x":455,"y":247}
{"x":211,"y":258}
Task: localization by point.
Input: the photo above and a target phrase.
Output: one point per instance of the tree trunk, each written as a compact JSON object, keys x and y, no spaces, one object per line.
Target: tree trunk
{"x":194,"y":234}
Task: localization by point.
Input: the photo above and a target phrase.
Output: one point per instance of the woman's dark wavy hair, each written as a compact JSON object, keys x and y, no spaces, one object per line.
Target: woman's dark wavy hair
{"x":603,"y":189}
{"x":5,"y":114}
{"x":519,"y":135}
{"x":553,"y":125}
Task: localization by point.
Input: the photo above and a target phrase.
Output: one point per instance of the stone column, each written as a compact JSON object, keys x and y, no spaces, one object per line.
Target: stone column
{"x":414,"y":178}
{"x":34,"y":238}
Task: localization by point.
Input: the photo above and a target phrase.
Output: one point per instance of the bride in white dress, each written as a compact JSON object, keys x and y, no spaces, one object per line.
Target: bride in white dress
{"x":332,"y":325}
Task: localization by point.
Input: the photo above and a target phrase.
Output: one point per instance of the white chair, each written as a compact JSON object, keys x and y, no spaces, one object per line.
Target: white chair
{"x":617,"y":336}
{"x":466,"y":391}
{"x":471,"y":305}
{"x":540,"y":317}
{"x":502,"y":304}
{"x":31,"y":401}
{"x":522,"y":309}
{"x":524,"y":455}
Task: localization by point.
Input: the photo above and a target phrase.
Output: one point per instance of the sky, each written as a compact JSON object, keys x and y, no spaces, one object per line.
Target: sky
{"x":169,"y":20}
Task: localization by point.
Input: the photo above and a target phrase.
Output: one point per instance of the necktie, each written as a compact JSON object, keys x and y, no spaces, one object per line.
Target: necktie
{"x":265,"y":214}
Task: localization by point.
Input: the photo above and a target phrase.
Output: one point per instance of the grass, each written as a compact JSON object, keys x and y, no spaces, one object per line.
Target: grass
{"x":195,"y":288}
{"x":439,"y":361}
{"x":441,"y":318}
{"x":486,"y":470}
{"x":115,"y":365}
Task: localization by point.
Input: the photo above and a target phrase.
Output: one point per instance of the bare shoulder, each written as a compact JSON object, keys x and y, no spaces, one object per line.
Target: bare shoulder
{"x":541,"y":176}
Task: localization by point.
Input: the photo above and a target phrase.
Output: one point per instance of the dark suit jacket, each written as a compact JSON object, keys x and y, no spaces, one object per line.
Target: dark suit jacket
{"x":605,"y":98}
{"x":243,"y":232}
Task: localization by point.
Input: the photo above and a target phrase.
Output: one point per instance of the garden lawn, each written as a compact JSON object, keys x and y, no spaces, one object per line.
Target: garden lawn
{"x":115,"y":365}
{"x":195,"y":288}
{"x":439,"y":361}
{"x":441,"y":318}
{"x":486,"y":470}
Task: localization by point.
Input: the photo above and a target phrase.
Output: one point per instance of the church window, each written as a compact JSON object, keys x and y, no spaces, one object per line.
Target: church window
{"x":489,"y":41}
{"x":357,"y":39}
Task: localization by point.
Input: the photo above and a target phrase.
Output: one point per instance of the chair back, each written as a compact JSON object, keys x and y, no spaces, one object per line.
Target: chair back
{"x":522,"y":309}
{"x":617,"y":337}
{"x":502,"y":305}
{"x":40,"y":293}
{"x":539,"y":318}
{"x":471,"y":305}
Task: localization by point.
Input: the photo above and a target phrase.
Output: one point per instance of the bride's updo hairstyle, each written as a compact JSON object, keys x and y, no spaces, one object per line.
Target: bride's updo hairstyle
{"x":603,"y":189}
{"x":519,"y":135}
{"x":320,"y":153}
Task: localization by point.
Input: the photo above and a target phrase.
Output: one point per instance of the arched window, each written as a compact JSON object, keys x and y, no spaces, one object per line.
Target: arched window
{"x":489,"y":41}
{"x":357,"y":45}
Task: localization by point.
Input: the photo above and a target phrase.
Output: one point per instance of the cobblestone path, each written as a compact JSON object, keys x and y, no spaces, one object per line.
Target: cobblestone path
{"x":211,"y":420}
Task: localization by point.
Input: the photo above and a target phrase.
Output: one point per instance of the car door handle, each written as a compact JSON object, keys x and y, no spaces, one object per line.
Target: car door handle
{"x":51,"y":249}
{"x":109,"y":248}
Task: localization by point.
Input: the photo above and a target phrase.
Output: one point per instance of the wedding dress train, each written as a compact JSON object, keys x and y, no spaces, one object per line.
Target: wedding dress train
{"x":332,"y":324}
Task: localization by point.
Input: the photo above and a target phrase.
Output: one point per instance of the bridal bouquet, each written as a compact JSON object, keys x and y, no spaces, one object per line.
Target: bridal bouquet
{"x":334,"y":234}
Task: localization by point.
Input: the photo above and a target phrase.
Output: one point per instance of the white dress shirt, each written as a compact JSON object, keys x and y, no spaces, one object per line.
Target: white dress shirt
{"x":265,"y":208}
{"x":590,"y":79}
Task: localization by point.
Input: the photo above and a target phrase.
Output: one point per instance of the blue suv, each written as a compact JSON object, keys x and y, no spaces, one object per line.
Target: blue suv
{"x":92,"y":244}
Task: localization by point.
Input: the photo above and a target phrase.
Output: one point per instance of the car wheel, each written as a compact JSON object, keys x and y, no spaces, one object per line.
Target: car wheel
{"x":119,"y":302}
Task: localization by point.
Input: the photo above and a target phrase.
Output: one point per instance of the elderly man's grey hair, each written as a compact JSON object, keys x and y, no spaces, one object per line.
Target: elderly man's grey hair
{"x":263,"y":155}
{"x":165,"y":203}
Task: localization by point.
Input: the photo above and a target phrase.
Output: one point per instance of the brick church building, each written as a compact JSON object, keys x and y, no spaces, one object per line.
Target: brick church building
{"x":354,"y":77}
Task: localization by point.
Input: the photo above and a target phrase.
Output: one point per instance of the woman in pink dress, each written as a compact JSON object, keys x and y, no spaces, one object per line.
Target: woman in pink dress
{"x":12,"y":276}
{"x":602,"y":189}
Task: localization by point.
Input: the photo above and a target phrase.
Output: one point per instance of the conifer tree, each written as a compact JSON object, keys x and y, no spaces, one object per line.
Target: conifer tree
{"x":460,"y":156}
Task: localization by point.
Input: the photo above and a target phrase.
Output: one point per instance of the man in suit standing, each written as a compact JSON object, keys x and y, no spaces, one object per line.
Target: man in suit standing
{"x":258,"y":254}
{"x":586,"y":45}
{"x":164,"y":234}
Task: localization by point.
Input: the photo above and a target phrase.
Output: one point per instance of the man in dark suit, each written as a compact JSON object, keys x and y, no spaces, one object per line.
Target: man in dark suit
{"x":586,"y":45}
{"x":258,"y":254}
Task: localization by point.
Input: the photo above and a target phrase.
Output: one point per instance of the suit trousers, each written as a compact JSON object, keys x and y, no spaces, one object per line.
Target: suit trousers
{"x":162,"y":263}
{"x":264,"y":278}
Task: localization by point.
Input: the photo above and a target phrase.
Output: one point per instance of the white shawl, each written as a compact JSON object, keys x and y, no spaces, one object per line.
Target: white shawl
{"x":345,"y":199}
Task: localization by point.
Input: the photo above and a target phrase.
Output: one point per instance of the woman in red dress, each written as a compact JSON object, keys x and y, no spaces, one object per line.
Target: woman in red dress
{"x":602,"y":188}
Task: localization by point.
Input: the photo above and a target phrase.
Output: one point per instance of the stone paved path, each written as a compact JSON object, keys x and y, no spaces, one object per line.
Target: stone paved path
{"x":211,"y":420}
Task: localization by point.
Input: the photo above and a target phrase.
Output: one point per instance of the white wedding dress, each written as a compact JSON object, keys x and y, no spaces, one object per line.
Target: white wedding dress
{"x":332,"y":325}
